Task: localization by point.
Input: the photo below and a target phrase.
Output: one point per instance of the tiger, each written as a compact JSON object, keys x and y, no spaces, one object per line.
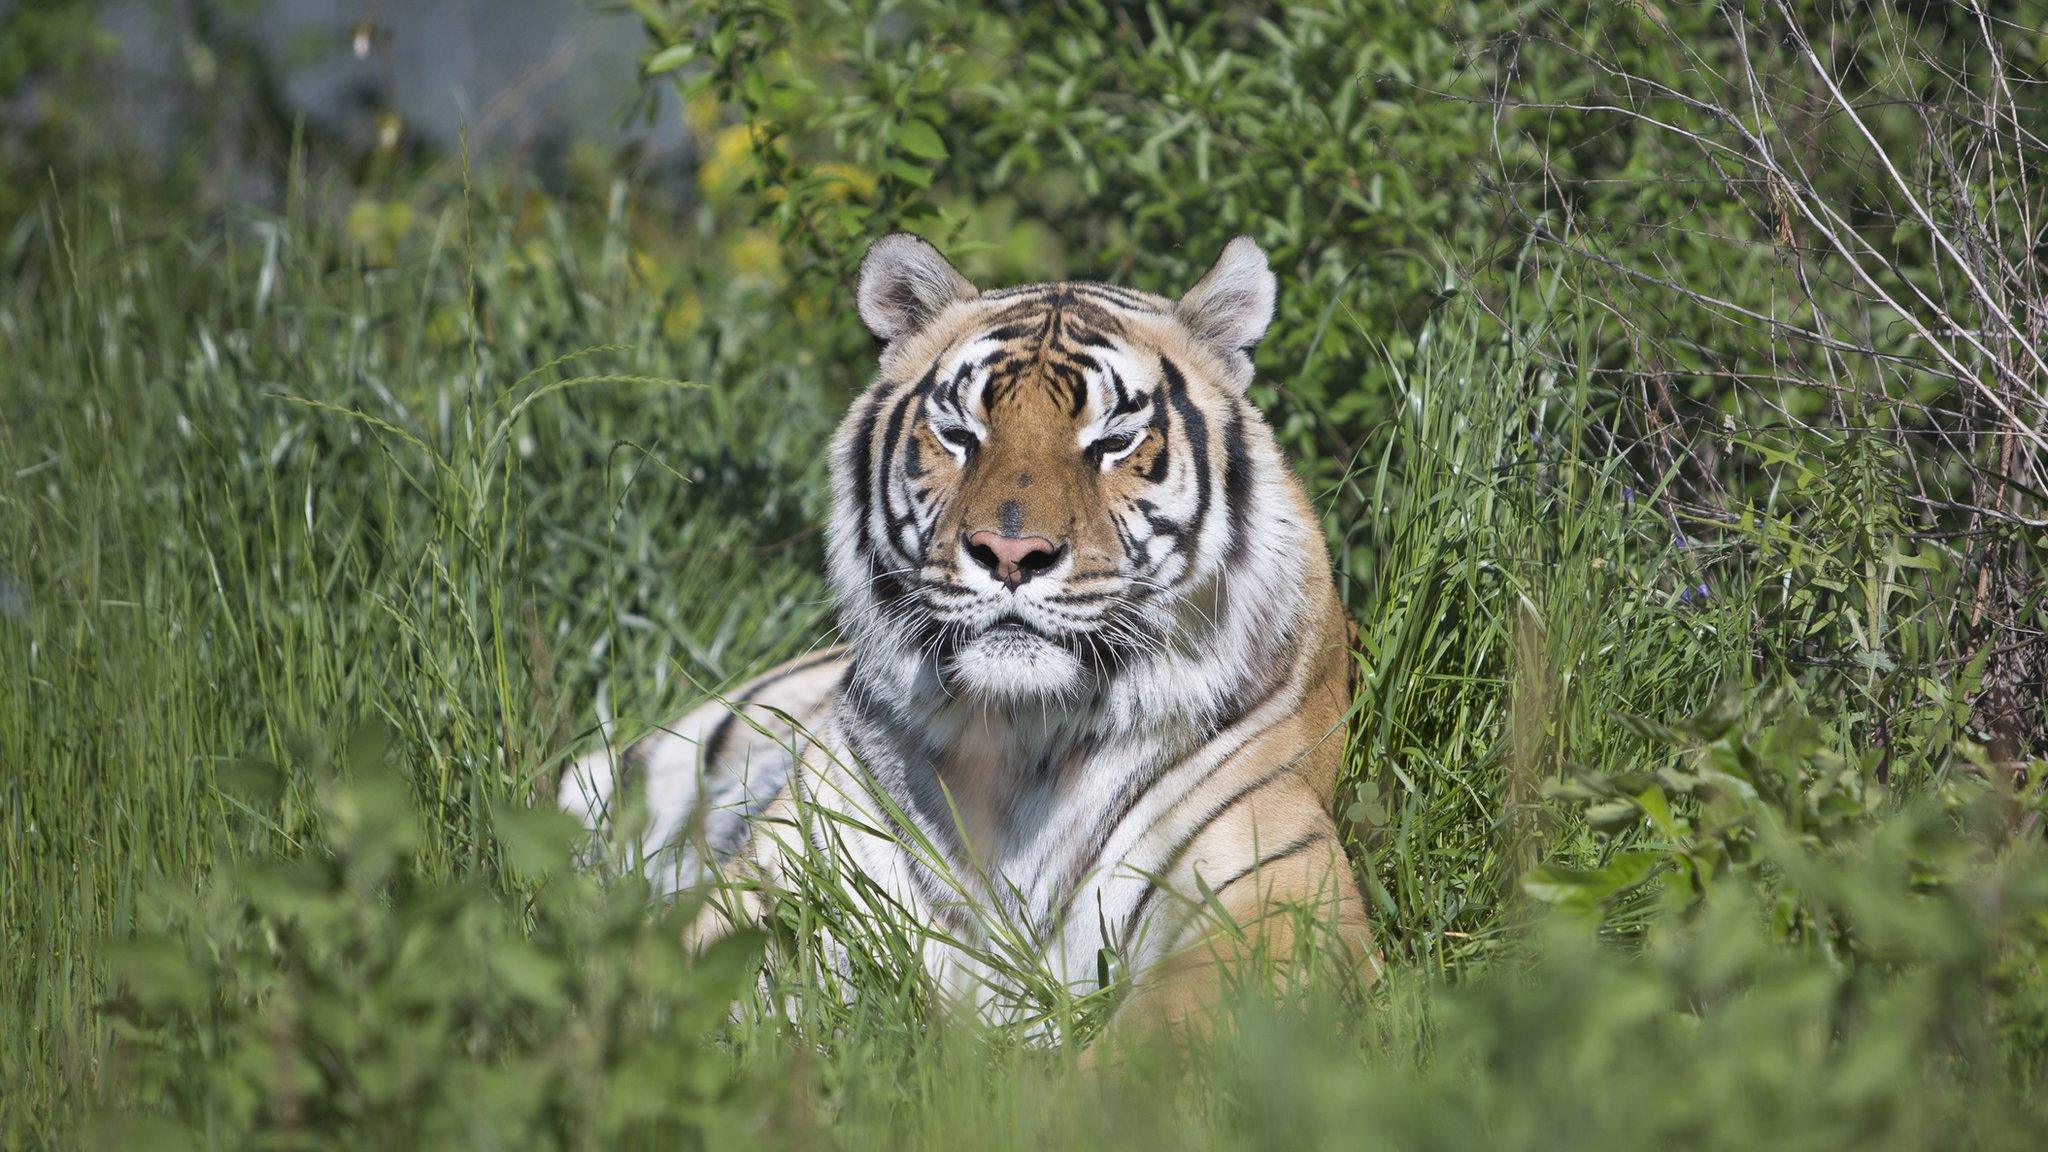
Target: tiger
{"x":1096,"y":674}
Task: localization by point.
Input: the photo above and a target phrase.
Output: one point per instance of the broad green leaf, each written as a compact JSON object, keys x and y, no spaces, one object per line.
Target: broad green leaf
{"x":921,"y":139}
{"x":671,"y":58}
{"x":1574,"y":888}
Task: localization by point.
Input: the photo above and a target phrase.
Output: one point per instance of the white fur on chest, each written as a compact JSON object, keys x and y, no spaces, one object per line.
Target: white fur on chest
{"x":1053,"y":886}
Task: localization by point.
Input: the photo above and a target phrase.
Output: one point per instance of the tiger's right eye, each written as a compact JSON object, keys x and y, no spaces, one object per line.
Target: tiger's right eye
{"x":959,"y":438}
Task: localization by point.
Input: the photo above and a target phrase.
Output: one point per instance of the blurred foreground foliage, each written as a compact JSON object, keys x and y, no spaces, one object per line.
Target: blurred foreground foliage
{"x":347,"y":999}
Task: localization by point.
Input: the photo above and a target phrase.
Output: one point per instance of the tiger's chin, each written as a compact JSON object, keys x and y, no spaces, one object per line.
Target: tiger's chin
{"x":1009,"y":664}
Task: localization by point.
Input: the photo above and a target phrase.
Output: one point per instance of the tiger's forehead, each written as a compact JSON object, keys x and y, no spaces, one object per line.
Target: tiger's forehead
{"x":1044,"y":342}
{"x":1078,"y":295}
{"x":1064,"y":316}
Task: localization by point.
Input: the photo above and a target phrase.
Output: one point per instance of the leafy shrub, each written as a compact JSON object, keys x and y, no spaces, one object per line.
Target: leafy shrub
{"x":344,"y":997}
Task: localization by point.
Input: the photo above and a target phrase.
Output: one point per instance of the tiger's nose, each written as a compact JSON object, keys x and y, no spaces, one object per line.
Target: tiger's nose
{"x":1013,"y":559}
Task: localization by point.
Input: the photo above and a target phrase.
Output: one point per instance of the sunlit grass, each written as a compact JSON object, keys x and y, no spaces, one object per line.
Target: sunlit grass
{"x":300,"y":542}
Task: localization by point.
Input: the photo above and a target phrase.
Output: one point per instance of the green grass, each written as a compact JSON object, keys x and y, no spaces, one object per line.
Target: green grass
{"x":323,"y":569}
{"x":255,"y":503}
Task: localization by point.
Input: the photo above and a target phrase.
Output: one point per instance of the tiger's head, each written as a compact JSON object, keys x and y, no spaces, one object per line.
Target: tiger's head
{"x":1044,"y":485}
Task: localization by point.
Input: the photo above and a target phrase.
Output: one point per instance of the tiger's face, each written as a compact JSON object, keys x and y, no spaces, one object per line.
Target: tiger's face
{"x":1043,"y":482}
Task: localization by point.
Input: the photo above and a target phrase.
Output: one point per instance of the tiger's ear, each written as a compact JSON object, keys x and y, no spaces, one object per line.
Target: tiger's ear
{"x":904,"y":283}
{"x":1231,"y":306}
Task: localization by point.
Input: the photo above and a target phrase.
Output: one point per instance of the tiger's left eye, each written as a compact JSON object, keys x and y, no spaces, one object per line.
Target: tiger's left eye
{"x":1115,"y":443}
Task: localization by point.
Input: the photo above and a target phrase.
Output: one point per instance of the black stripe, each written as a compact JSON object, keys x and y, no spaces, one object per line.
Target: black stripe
{"x":720,"y":736}
{"x":1120,"y":296}
{"x":1071,"y":598}
{"x":1127,"y":401}
{"x":891,"y":434}
{"x":868,"y":711}
{"x":1016,"y":292}
{"x":913,"y":458}
{"x":1124,"y":539}
{"x":1121,"y":808}
{"x":1198,"y":446}
{"x":860,"y":480}
{"x":1288,"y":852}
{"x":1161,"y":525}
{"x":1077,"y":390}
{"x":1187,"y":841}
{"x":1237,"y":483}
{"x":1162,"y":422}
{"x":950,"y":396}
{"x":714,"y":747}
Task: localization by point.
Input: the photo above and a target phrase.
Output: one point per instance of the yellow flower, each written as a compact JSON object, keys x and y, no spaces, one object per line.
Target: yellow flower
{"x":755,"y":253}
{"x":683,"y":316}
{"x":700,"y":114}
{"x":728,"y":161}
{"x":376,"y":227}
{"x":648,"y":270}
{"x":850,"y":179}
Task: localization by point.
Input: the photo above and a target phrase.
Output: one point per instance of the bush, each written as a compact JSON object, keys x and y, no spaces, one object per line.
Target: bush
{"x":348,"y":998}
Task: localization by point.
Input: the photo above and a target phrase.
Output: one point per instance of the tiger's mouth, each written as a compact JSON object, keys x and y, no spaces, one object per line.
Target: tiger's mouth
{"x":1013,"y":660}
{"x":1048,"y":644}
{"x":1009,"y":631}
{"x":1011,"y":625}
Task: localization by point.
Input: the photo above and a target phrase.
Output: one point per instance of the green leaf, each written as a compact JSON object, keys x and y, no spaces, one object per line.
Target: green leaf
{"x":1611,"y":815}
{"x":921,"y":139}
{"x":652,"y":18}
{"x":537,"y":841}
{"x":728,"y":966}
{"x":1658,"y":808}
{"x":157,"y":973}
{"x":1574,"y":888}
{"x":908,"y":173}
{"x":527,"y":971}
{"x":671,"y":58}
